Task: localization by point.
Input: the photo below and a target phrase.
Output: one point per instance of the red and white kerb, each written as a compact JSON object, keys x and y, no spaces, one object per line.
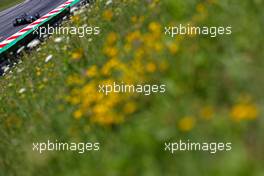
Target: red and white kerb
{"x":34,"y":24}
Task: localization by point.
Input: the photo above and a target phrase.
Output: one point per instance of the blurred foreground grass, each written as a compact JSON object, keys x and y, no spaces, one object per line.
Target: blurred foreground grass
{"x":214,"y":93}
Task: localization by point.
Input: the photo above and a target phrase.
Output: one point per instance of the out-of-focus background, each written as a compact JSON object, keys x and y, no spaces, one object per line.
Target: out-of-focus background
{"x":214,"y":93}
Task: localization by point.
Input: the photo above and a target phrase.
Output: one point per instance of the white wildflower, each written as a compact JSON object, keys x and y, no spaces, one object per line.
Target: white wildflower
{"x":58,"y":39}
{"x":108,"y":2}
{"x":33,"y":43}
{"x":22,"y":90}
{"x":48,"y":58}
{"x":5,"y":68}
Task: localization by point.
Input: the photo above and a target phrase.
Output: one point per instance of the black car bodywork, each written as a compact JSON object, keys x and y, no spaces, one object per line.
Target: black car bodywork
{"x":25,"y":19}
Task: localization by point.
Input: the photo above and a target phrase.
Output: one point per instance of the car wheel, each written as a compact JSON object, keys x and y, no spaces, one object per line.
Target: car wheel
{"x":37,"y":15}
{"x":14,"y":23}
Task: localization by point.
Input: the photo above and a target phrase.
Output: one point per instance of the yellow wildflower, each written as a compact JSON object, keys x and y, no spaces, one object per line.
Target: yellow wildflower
{"x":108,"y":15}
{"x":207,"y":112}
{"x":155,"y":27}
{"x":200,"y":8}
{"x":78,"y":114}
{"x":134,"y":19}
{"x":111,"y":64}
{"x":137,"y":20}
{"x":186,"y":124}
{"x":111,"y":38}
{"x":133,"y":36}
{"x":173,"y":47}
{"x":13,"y":122}
{"x":77,"y":54}
{"x":127,"y":47}
{"x":141,"y":19}
{"x":38,"y":71}
{"x":75,"y":80}
{"x":151,"y":67}
{"x":76,"y":18}
{"x":130,"y":108}
{"x":92,"y":71}
{"x":100,"y":109}
{"x":111,"y":51}
{"x":244,"y":111}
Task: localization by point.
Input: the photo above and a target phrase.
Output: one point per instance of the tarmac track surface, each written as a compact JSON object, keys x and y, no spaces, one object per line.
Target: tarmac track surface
{"x":29,"y":6}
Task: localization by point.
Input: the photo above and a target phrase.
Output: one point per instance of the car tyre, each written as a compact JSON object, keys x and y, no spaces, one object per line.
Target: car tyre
{"x":37,"y":15}
{"x":15,"y":23}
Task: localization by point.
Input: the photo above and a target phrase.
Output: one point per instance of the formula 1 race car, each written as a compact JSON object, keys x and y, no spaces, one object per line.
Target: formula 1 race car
{"x":25,"y":19}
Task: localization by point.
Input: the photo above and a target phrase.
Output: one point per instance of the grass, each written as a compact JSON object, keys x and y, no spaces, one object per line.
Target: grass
{"x":213,"y":93}
{"x":4,"y":4}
